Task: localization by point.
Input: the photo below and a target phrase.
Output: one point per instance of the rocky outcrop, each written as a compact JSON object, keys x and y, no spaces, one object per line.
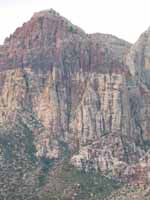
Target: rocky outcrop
{"x":86,"y":95}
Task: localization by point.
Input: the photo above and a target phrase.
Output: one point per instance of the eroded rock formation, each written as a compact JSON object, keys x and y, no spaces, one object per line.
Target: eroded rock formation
{"x":63,"y":90}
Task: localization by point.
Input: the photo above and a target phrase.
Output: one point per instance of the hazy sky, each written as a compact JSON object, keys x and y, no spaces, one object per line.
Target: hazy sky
{"x":126,"y":19}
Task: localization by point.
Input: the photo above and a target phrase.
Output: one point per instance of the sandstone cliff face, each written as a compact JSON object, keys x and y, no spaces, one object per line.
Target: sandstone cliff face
{"x":84,"y":94}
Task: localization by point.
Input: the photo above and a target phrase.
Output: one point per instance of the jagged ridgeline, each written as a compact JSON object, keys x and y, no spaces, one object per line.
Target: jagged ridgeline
{"x":74,"y":113}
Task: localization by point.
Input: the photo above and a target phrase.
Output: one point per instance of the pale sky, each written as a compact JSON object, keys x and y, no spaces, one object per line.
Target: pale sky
{"x":126,"y":19}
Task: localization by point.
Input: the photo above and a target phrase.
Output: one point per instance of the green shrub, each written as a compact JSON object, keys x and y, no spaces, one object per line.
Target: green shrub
{"x":72,"y":29}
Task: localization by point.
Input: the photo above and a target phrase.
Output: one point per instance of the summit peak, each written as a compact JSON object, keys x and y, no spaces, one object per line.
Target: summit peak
{"x":49,"y":12}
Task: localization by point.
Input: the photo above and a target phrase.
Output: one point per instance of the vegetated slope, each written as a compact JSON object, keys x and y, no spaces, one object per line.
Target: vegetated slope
{"x":131,"y":192}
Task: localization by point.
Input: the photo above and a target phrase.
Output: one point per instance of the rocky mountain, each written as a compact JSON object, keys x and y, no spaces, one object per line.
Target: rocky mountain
{"x":73,"y":107}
